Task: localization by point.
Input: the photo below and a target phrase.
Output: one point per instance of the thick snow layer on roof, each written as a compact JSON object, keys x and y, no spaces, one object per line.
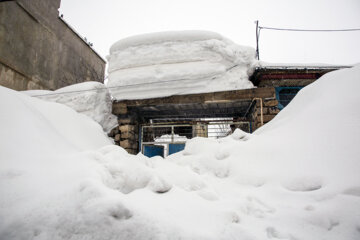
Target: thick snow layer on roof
{"x":175,"y":63}
{"x":162,"y":37}
{"x":295,"y":178}
{"x":89,"y":98}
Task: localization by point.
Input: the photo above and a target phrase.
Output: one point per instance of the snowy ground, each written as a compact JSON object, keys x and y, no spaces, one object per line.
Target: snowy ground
{"x":90,"y":98}
{"x":175,"y":63}
{"x":295,"y":178}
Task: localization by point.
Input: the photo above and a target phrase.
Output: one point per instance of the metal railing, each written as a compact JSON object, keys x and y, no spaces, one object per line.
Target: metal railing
{"x":163,"y":134}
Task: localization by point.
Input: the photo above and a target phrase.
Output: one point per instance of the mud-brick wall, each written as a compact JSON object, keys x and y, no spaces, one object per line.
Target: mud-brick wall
{"x":38,"y":50}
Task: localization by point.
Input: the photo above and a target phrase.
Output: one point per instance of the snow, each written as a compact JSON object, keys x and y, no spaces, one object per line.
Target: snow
{"x":175,"y":63}
{"x":161,"y":37}
{"x":89,"y":98}
{"x":168,"y":138}
{"x":297,"y":177}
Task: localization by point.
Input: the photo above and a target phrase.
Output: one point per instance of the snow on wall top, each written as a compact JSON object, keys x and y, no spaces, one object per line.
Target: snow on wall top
{"x":176,"y":63}
{"x":89,"y":98}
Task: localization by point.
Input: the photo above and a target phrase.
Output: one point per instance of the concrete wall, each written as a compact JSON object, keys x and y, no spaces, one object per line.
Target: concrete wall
{"x":39,"y":51}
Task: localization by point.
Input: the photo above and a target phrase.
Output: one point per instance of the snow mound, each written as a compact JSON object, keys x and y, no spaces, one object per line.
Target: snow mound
{"x":90,"y":98}
{"x":35,"y":126}
{"x":295,"y":178}
{"x":173,"y":63}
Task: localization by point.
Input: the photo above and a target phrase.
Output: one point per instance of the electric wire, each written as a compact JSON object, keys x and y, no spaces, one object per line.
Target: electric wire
{"x":133,"y":85}
{"x":122,"y":86}
{"x":260,"y":28}
{"x":105,"y":88}
{"x":310,"y":30}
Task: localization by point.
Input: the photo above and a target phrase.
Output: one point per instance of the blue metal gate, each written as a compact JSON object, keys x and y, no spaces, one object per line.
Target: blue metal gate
{"x":153,"y":150}
{"x":174,"y":147}
{"x":166,"y":139}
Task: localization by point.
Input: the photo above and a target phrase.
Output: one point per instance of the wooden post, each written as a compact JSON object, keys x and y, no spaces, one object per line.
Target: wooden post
{"x":261,"y":112}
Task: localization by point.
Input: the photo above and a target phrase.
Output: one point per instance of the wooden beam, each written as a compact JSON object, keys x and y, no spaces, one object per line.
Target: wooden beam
{"x":201,"y":98}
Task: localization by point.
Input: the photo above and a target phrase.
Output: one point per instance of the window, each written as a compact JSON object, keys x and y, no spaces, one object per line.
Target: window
{"x":284,"y":95}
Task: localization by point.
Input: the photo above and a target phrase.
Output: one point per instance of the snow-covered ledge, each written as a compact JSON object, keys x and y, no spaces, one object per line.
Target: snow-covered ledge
{"x":90,"y":98}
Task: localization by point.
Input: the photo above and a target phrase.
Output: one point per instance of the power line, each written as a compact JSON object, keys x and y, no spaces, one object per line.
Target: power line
{"x":122,"y":86}
{"x":75,"y":91}
{"x":113,"y":87}
{"x":106,"y":88}
{"x":259,"y":28}
{"x":138,"y":84}
{"x":310,"y":30}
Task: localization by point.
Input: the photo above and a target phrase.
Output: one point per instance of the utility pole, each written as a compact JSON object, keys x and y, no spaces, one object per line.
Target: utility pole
{"x":257,"y":39}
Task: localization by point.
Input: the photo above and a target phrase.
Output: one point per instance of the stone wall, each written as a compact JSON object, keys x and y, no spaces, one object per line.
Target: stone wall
{"x":38,"y":50}
{"x":126,"y":134}
{"x":269,"y":111}
{"x":132,"y":113}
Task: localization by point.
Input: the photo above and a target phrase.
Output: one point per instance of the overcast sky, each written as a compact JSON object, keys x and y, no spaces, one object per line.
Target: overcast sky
{"x":103,"y":22}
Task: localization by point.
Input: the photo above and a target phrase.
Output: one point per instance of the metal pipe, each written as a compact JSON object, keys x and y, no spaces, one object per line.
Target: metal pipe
{"x":257,"y":39}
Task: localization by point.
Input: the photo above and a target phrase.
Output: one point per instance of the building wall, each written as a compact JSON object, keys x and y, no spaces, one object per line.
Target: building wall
{"x":38,"y":50}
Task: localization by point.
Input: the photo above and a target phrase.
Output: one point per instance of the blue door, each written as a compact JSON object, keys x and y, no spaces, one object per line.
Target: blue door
{"x":153,"y":150}
{"x":174,"y":148}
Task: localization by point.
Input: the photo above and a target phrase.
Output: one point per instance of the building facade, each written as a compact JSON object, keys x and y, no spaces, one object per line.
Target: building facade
{"x":161,"y":126}
{"x":39,"y":50}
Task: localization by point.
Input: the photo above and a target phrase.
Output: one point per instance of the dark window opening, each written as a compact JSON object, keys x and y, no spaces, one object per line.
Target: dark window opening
{"x":284,"y":95}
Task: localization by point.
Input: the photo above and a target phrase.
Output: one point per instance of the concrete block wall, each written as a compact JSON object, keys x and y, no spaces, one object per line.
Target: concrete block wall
{"x":38,"y":50}
{"x":11,"y":78}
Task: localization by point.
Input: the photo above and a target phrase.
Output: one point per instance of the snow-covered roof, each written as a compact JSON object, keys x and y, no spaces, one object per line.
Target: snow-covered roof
{"x":177,"y":63}
{"x":160,"y":37}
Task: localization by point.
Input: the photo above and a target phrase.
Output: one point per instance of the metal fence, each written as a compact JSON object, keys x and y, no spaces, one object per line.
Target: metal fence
{"x":172,"y":133}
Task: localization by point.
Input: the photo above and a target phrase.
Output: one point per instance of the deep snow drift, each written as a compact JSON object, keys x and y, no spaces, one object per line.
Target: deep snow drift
{"x":295,"y":178}
{"x":90,"y":98}
{"x":178,"y":62}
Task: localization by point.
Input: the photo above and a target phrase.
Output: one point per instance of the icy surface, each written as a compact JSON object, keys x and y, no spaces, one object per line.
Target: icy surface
{"x":175,"y":63}
{"x":89,"y":98}
{"x":295,"y":178}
